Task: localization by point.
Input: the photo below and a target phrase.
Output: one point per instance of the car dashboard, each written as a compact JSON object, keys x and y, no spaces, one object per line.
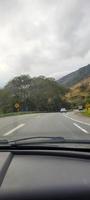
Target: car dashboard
{"x":44,"y":175}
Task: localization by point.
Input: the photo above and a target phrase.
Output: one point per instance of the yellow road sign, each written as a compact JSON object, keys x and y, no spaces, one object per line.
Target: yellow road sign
{"x":17,"y":105}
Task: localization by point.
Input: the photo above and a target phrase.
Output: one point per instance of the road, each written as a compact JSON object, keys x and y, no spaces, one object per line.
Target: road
{"x":68,"y":125}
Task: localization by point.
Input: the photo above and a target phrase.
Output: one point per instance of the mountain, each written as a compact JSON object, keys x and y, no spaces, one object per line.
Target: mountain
{"x":75,"y":77}
{"x":79,"y":91}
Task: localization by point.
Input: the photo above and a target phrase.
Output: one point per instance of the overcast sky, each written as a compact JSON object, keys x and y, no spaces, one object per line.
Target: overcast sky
{"x":43,"y":37}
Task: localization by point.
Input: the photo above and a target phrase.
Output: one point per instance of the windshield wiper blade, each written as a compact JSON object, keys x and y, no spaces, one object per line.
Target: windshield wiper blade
{"x":46,"y":140}
{"x":36,"y":140}
{"x":40,"y":140}
{"x":4,"y":141}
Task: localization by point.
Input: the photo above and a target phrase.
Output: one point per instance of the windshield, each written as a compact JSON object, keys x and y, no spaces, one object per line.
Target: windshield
{"x":45,"y":69}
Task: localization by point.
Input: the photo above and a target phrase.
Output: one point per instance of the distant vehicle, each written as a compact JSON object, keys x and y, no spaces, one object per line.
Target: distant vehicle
{"x":80,"y":107}
{"x":63,"y":110}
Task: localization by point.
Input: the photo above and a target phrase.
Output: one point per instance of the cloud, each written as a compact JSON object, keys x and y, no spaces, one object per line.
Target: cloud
{"x":43,"y":37}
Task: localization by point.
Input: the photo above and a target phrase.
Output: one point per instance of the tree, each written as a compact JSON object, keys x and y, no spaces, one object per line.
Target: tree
{"x":20,"y":89}
{"x":6,"y":101}
{"x":34,"y":94}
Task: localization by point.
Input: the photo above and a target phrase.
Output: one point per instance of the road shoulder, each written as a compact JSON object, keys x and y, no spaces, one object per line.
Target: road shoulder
{"x":76,"y":115}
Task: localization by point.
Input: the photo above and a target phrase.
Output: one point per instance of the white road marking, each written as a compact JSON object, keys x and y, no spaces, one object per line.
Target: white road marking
{"x":81,"y":122}
{"x":14,"y":129}
{"x":82,"y":129}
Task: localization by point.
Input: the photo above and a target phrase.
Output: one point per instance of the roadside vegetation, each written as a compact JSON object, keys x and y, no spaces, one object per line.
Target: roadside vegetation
{"x":79,"y":94}
{"x":25,"y":94}
{"x":16,"y":113}
{"x":86,"y":112}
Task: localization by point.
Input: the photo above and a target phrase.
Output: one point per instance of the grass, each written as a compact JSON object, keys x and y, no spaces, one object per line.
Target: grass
{"x":15,"y":114}
{"x":86,"y":112}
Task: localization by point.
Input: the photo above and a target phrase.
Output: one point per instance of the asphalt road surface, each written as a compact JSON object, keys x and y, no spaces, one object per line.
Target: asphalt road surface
{"x":69,"y":125}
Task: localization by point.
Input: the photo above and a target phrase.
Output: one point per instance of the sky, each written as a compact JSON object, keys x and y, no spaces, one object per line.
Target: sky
{"x":43,"y":37}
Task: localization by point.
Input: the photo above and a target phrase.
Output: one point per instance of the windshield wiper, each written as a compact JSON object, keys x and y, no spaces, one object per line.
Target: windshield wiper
{"x":4,"y":141}
{"x":40,"y":140}
{"x":46,"y":140}
{"x":37,"y":140}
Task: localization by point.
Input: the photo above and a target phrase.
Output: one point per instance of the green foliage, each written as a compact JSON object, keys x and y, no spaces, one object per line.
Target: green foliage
{"x":86,"y":112}
{"x":87,"y":100}
{"x":32,"y":94}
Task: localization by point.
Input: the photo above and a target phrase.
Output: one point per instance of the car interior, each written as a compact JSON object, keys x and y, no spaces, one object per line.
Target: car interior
{"x":44,"y":173}
{"x":44,"y":99}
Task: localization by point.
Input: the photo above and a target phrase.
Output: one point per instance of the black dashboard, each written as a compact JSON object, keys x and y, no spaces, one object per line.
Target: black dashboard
{"x":29,"y":175}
